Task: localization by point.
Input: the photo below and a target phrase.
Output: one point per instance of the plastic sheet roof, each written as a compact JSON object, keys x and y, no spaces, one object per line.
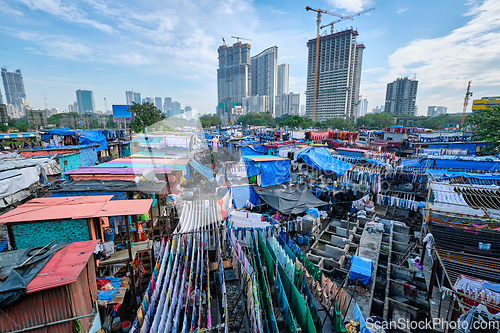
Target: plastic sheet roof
{"x":64,"y":267}
{"x":48,"y":209}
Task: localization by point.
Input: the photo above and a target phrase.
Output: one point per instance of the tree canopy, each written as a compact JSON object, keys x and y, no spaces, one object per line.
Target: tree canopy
{"x":340,"y":124}
{"x":210,"y":120}
{"x":375,"y":120}
{"x":296,"y":122}
{"x":486,"y":127}
{"x":438,"y":122}
{"x":256,"y":119}
{"x":144,"y":115}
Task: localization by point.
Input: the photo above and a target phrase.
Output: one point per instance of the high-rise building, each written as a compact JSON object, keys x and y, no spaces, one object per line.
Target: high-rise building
{"x":283,"y":79}
{"x":13,"y":84}
{"x":264,"y":79}
{"x":400,"y":96}
{"x":158,"y":103}
{"x":73,"y":107}
{"x":167,"y":106}
{"x":188,"y":111}
{"x":149,"y":100}
{"x":254,"y":104}
{"x":1,"y":98}
{"x":339,"y":75}
{"x":287,"y":104}
{"x":362,"y":107}
{"x":129,"y":96}
{"x":233,"y":78}
{"x":4,"y":117}
{"x":137,"y":98}
{"x":434,"y":111}
{"x":85,"y":100}
{"x":378,"y":109}
{"x":176,"y":109}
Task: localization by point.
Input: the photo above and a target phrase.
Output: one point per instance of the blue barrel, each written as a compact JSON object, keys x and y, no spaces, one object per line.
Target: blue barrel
{"x":300,"y":240}
{"x":306,"y":240}
{"x":109,"y":234}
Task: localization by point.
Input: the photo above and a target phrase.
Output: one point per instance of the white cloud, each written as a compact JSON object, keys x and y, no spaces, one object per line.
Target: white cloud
{"x":58,"y":46}
{"x":402,"y":10}
{"x":349,"y":5}
{"x":444,"y":65}
{"x":70,"y":13}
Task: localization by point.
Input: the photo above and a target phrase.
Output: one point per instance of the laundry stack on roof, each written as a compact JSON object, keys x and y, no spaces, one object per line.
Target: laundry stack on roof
{"x":252,"y":229}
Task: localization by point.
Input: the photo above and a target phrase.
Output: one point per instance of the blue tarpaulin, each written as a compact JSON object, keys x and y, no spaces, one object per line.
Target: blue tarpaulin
{"x":362,"y":268}
{"x":208,"y":136}
{"x":320,"y":159}
{"x":204,"y":170}
{"x":274,"y":172}
{"x":313,"y":211}
{"x":253,"y":150}
{"x":57,"y":131}
{"x":242,"y":194}
{"x":451,"y":164}
{"x":93,"y":137}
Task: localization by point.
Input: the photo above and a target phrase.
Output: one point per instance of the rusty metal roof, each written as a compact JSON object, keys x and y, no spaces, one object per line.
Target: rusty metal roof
{"x":49,"y":209}
{"x":64,"y":267}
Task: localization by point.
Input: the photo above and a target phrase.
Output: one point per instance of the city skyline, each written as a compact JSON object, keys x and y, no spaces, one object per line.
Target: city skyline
{"x":115,"y":47}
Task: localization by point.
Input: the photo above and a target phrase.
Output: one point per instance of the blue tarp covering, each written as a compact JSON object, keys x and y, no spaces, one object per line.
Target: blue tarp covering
{"x":451,"y":164}
{"x":57,"y":131}
{"x":93,"y":137}
{"x":471,"y":147}
{"x":208,"y":136}
{"x":320,"y":159}
{"x":350,"y":153}
{"x":204,"y":170}
{"x":274,"y":172}
{"x":242,"y":194}
{"x":313,"y":211}
{"x":452,"y":174}
{"x":361,"y":267}
{"x":253,"y":150}
{"x":271,"y":172}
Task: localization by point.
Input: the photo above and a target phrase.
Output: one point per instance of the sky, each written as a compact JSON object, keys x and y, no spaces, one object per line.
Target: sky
{"x":168,"y":48}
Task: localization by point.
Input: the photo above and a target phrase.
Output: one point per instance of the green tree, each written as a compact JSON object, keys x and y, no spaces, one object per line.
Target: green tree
{"x":284,"y":117}
{"x":486,"y":126}
{"x":4,"y":128}
{"x":375,"y":120}
{"x":340,"y":124}
{"x":209,"y":120}
{"x":296,"y":122}
{"x":144,"y":115}
{"x":256,"y":119}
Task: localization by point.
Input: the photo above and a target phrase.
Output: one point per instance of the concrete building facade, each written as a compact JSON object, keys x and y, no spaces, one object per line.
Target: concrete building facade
{"x":158,"y":103}
{"x":176,"y":109}
{"x":137,"y":98}
{"x":37,"y":118}
{"x":255,"y":104}
{"x":339,"y":76}
{"x":233,"y":78}
{"x":167,"y":106}
{"x":434,"y":111}
{"x":362,"y":107}
{"x":4,"y":117}
{"x":264,"y":77}
{"x":283,"y":79}
{"x":401,"y":96}
{"x":129,"y":96}
{"x":15,"y":94}
{"x":287,"y":104}
{"x":85,"y":101}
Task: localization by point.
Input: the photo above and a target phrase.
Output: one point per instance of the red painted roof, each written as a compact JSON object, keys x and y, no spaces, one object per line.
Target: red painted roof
{"x":64,"y":267}
{"x":44,"y":209}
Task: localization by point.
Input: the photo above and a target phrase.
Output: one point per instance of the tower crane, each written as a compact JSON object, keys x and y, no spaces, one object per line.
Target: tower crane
{"x":316,"y":69}
{"x":238,"y":38}
{"x":466,"y":102}
{"x":223,"y":41}
{"x":350,"y":17}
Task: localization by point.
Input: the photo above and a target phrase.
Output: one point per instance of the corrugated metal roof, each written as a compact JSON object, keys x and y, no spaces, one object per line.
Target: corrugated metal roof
{"x":64,"y":267}
{"x":58,"y":208}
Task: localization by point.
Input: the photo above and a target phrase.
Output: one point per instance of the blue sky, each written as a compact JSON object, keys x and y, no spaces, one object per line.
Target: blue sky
{"x":169,"y":48}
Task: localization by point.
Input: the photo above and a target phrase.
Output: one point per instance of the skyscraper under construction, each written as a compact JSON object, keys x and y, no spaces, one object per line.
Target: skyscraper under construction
{"x":339,"y":75}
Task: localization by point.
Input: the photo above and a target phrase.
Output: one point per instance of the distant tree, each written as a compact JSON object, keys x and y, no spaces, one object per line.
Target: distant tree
{"x":210,"y":120}
{"x":284,"y":117}
{"x":296,"y":122}
{"x":340,"y":124}
{"x":256,"y":119}
{"x":21,"y":124}
{"x":486,"y":127}
{"x":4,"y":128}
{"x":375,"y":120}
{"x":144,"y":115}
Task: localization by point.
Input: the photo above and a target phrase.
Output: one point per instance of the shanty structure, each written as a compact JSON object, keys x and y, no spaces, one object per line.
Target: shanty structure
{"x":61,"y":297}
{"x":70,"y":219}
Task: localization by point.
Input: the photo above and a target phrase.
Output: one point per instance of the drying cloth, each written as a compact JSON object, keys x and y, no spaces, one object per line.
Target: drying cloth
{"x":108,"y":295}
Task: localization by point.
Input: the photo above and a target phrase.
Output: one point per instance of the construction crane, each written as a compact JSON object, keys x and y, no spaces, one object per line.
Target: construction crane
{"x":238,"y":38}
{"x":318,"y":23}
{"x":223,"y":41}
{"x":350,"y":17}
{"x":466,"y":102}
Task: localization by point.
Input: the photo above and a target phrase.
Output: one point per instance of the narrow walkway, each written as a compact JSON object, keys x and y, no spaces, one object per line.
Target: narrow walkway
{"x":369,"y":248}
{"x":445,"y":313}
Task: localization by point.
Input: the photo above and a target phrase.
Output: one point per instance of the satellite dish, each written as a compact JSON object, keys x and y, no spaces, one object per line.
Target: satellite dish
{"x":149,"y":175}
